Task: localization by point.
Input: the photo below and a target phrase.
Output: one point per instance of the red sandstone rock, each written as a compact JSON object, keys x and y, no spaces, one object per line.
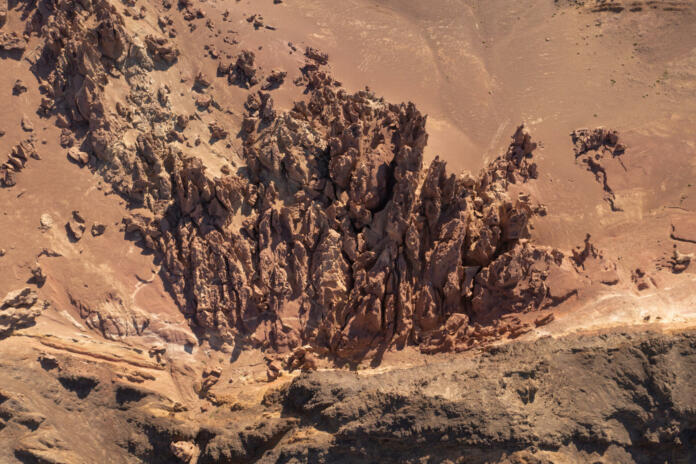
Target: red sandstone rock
{"x":217,"y":131}
{"x":78,"y":156}
{"x":244,"y":71}
{"x":161,"y":49}
{"x":593,"y":147}
{"x":336,"y":236}
{"x":274,"y":80}
{"x":19,"y":309}
{"x":316,"y":55}
{"x":12,"y":42}
{"x":76,"y":226}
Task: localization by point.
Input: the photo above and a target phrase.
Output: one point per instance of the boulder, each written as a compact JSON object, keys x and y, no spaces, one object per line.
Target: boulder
{"x":19,"y":309}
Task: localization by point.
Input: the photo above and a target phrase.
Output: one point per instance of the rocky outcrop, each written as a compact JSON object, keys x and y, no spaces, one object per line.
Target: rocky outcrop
{"x":76,"y":59}
{"x":680,"y":262}
{"x":98,"y":229}
{"x":243,"y":71}
{"x":594,"y":148}
{"x":19,"y":309}
{"x":12,"y":42}
{"x":522,"y":403}
{"x":109,"y":313}
{"x":76,"y":226}
{"x":610,"y":398}
{"x":217,"y":131}
{"x":161,"y":50}
{"x":339,"y":217}
{"x":333,"y":234}
{"x":19,"y":87}
{"x":316,"y":55}
{"x":16,"y":161}
{"x":325,"y":236}
{"x":77,"y":156}
{"x":185,"y":451}
{"x":274,"y":80}
{"x":683,"y":228}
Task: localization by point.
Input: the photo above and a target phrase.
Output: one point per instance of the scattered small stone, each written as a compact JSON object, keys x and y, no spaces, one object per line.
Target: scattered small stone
{"x":201,"y":81}
{"x":46,"y":222}
{"x":78,"y":156}
{"x":213,"y":52}
{"x":181,"y":122}
{"x":217,"y":132}
{"x":316,"y":55}
{"x":78,"y":217}
{"x":680,"y":261}
{"x":256,"y":20}
{"x":76,"y":226}
{"x":19,"y":87}
{"x":273,"y":369}
{"x":66,"y":139}
{"x":641,"y":280}
{"x":37,"y":275}
{"x":203,"y":102}
{"x":48,"y":361}
{"x":49,"y":252}
{"x":544,"y":320}
{"x":274,"y":80}
{"x":98,"y":229}
{"x":27,"y":126}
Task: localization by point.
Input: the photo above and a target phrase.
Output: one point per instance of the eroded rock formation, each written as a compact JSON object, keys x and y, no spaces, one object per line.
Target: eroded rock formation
{"x":593,"y":148}
{"x":16,"y":161}
{"x":338,"y":217}
{"x":333,"y":233}
{"x":19,"y":309}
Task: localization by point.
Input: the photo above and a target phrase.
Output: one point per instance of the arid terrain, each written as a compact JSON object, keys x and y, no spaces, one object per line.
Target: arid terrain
{"x":364,"y":231}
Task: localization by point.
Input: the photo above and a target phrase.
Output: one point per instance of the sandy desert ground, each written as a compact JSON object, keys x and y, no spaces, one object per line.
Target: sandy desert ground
{"x":358,"y":231}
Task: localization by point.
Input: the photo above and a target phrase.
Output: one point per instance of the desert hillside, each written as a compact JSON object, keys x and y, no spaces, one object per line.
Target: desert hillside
{"x":360,"y":231}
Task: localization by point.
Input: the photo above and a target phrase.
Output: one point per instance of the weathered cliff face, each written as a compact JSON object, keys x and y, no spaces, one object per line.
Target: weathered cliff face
{"x":621,"y":398}
{"x":519,"y":403}
{"x":333,"y":234}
